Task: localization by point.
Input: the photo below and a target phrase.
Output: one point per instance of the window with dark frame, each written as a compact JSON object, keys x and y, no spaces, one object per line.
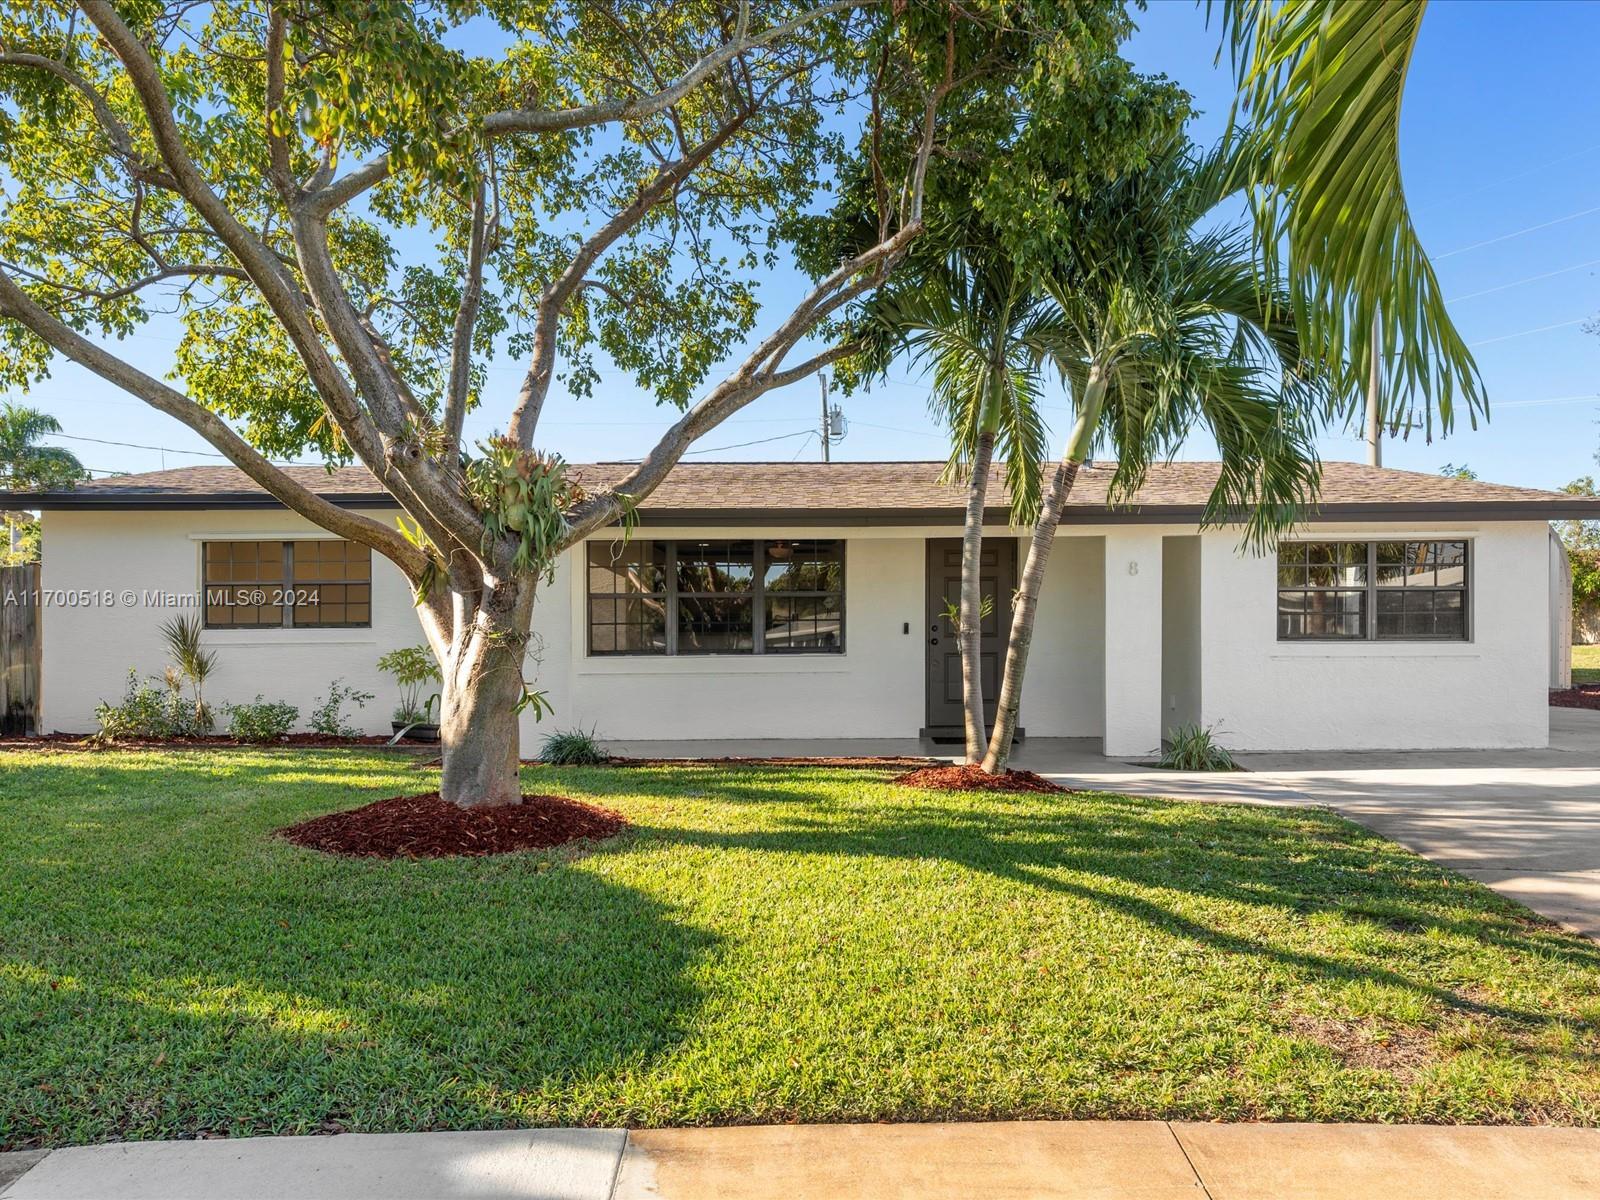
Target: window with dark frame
{"x":305,"y":584}
{"x":1373,"y":591}
{"x":738,"y":596}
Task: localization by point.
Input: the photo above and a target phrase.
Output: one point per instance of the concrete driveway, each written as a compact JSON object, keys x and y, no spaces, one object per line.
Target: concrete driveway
{"x":1524,"y":822}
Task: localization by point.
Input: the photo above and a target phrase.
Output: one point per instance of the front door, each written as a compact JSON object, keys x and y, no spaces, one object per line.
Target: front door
{"x":998,"y":580}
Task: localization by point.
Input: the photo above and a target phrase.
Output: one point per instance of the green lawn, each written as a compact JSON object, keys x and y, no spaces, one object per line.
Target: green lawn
{"x":763,"y":945}
{"x":1586,"y":664}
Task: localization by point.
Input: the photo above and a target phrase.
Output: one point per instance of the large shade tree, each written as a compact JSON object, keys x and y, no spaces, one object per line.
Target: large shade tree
{"x":349,"y":206}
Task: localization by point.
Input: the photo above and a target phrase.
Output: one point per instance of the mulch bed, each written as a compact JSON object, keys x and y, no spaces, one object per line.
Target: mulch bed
{"x":975,"y":779}
{"x":1584,"y":695}
{"x":888,"y":763}
{"x":426,"y":826}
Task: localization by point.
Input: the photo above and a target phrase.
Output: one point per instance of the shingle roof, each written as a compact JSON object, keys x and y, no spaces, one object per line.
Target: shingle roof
{"x":885,"y":490}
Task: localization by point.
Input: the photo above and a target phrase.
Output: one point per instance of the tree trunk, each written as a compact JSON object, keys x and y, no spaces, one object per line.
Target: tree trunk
{"x":1027,"y":601}
{"x":479,"y":722}
{"x":971,"y":630}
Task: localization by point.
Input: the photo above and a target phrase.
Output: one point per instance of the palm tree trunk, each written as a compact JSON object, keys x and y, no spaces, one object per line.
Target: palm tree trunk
{"x":1033,"y":572}
{"x":971,"y":629}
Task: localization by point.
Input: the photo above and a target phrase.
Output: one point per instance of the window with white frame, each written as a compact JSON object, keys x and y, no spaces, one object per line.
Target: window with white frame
{"x":1376,"y":591}
{"x":718,"y":596}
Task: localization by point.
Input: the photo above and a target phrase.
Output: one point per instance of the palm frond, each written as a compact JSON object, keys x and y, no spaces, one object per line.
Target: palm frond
{"x":1322,"y":83}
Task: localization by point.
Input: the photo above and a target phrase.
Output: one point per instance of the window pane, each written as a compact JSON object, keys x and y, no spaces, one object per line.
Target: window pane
{"x":804,"y":566}
{"x":716,"y":567}
{"x":320,"y":594}
{"x":809,"y":623}
{"x":1314,"y":614}
{"x":634,"y":567}
{"x":715,"y":625}
{"x":1422,"y":614}
{"x":622,"y":625}
{"x":1336,"y":564}
{"x":234,"y":576}
{"x":1405,"y":564}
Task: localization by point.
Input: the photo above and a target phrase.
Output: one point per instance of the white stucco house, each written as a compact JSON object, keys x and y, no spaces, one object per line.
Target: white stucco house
{"x":807,"y":600}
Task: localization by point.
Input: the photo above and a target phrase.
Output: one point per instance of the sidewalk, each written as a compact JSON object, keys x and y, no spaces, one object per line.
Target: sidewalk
{"x":1083,"y":1160}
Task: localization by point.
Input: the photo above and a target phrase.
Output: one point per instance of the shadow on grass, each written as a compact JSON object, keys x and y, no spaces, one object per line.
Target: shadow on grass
{"x":1300,"y":863}
{"x":228,"y":982}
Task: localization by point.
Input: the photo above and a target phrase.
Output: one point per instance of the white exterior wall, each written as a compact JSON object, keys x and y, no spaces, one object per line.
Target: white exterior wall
{"x":1183,"y":608}
{"x":1097,"y":666}
{"x":1489,"y":692}
{"x":88,"y":650}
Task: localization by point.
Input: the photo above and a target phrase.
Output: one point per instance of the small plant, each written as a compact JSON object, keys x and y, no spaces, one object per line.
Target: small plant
{"x":148,"y":711}
{"x":572,"y":748}
{"x":412,"y":667}
{"x":261,"y":720}
{"x":1194,"y":748}
{"x":192,"y":663}
{"x":327,"y":717}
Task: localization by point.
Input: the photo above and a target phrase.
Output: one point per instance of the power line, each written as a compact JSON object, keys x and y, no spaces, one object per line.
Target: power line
{"x":1506,"y":337}
{"x":1506,"y":237}
{"x":169,"y":449}
{"x":1593,"y":262}
{"x":758,"y":442}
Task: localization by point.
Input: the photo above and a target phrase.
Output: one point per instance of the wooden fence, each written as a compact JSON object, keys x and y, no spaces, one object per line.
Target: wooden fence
{"x":20,"y":649}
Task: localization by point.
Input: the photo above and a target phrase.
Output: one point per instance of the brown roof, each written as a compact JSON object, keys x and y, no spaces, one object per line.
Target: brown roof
{"x":881,"y":491}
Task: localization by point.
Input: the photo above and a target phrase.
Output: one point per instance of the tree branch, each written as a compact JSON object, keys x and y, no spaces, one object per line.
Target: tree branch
{"x":18,"y":305}
{"x":115,"y":130}
{"x":460,"y":382}
{"x":536,"y":384}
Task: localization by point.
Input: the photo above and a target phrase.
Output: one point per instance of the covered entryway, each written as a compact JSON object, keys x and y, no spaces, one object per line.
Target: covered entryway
{"x":998,"y":581}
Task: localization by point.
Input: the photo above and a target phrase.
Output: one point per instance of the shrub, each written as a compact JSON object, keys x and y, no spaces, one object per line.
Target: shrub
{"x":261,"y":720}
{"x":327,"y":717}
{"x":412,"y":666}
{"x":151,"y":711}
{"x":1194,"y":748}
{"x":572,"y":748}
{"x":191,"y":663}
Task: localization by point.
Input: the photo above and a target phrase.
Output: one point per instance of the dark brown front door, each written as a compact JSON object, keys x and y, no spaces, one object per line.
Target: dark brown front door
{"x":998,"y":581}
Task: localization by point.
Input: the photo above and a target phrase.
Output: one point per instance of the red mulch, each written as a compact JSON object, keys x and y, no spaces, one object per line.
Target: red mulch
{"x":1585,"y":695}
{"x":426,"y":826}
{"x":976,"y":779}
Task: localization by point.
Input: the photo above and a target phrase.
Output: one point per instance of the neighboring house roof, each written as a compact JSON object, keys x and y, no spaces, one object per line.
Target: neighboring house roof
{"x":860,"y":493}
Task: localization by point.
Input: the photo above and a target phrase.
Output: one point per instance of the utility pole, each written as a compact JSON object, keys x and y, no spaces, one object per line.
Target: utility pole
{"x":826,"y":431}
{"x":1374,"y":403}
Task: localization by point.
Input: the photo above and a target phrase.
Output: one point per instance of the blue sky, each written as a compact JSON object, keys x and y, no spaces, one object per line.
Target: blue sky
{"x":1501,"y":153}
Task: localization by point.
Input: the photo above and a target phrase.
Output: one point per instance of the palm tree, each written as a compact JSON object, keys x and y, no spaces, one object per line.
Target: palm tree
{"x":1163,"y":329}
{"x":977,"y":326}
{"x":24,"y":464}
{"x":1322,"y":83}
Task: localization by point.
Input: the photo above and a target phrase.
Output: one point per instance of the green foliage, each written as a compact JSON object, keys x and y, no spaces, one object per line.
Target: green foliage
{"x":19,"y":539}
{"x":952,"y":611}
{"x":261,"y":720}
{"x":193,"y":661}
{"x":1580,"y":535}
{"x":572,"y":748}
{"x":1321,"y":82}
{"x":150,"y":710}
{"x":523,"y":495}
{"x":328,"y":716}
{"x":24,"y":464}
{"x":1462,"y":472}
{"x":412,"y":667}
{"x":1585,"y":574}
{"x":1086,"y":956}
{"x":1195,"y":748}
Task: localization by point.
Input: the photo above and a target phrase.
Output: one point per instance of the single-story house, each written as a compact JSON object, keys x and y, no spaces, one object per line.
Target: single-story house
{"x":762,"y":600}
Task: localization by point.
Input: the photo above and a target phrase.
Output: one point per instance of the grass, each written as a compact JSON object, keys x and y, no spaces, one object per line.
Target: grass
{"x":763,"y":945}
{"x":1586,"y":664}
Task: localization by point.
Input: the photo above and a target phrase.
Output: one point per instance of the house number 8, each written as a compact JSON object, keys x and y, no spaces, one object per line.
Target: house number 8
{"x":1133,"y":568}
